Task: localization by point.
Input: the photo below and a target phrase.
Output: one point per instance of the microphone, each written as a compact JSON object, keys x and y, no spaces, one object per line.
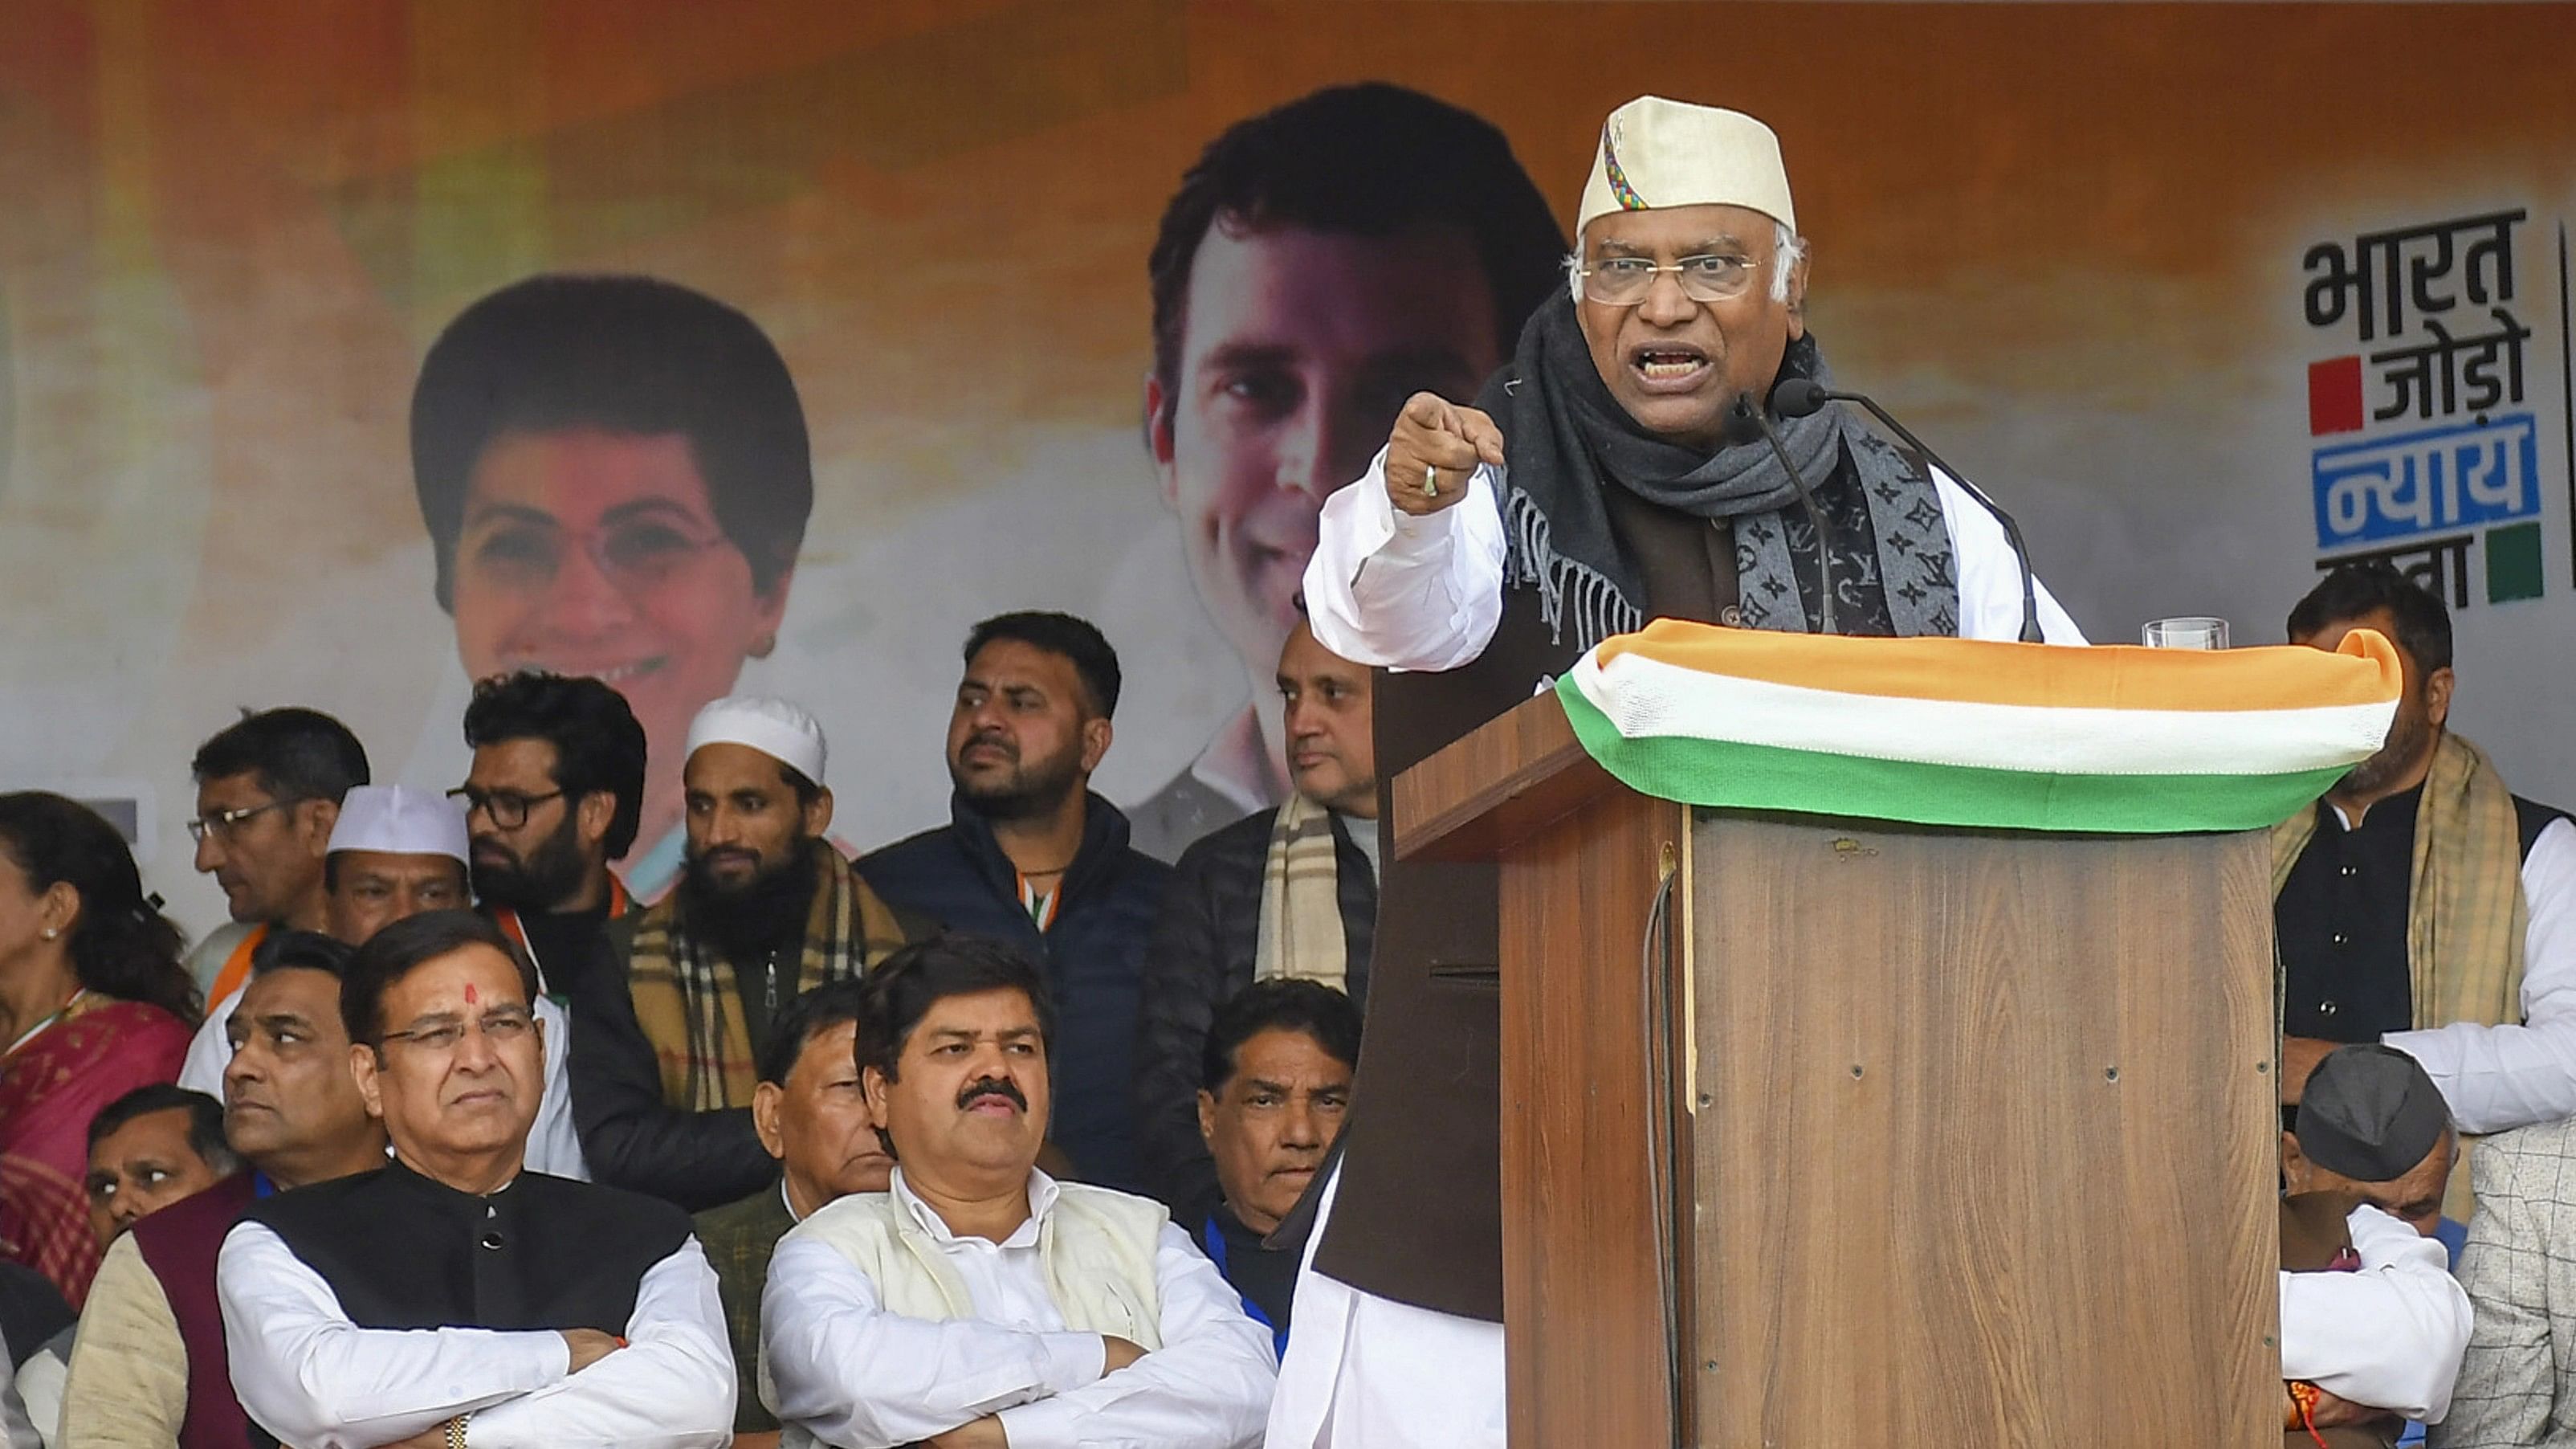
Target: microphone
{"x":1799,"y":397}
{"x":1744,"y":423}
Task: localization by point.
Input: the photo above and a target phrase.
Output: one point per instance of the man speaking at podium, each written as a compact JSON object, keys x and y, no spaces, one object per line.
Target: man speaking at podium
{"x":1615,"y":471}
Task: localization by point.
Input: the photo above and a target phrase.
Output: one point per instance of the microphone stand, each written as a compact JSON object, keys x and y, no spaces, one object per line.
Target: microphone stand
{"x":1798,"y":397}
{"x":1741,"y":422}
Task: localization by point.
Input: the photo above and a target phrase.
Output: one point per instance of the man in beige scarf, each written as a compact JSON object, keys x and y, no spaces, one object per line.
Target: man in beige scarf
{"x":1285,"y":893}
{"x":2421,"y":903}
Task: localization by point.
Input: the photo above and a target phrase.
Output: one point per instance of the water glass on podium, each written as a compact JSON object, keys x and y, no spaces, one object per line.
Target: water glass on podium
{"x":2188,"y":632}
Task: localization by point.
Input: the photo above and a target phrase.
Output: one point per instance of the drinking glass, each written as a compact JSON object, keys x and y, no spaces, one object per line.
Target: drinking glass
{"x":2193,"y":631}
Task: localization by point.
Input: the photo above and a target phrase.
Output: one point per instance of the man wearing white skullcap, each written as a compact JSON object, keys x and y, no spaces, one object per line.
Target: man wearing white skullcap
{"x":1613,"y":472}
{"x":398,"y":851}
{"x":765,"y":910}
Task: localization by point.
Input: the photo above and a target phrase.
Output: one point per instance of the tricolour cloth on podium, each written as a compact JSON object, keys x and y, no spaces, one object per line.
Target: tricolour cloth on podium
{"x":1979,"y":733}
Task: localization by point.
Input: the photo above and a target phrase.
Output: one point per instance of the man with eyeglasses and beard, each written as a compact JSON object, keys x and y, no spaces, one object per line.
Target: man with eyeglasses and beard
{"x":554,"y":794}
{"x":1031,"y":857}
{"x":667,"y":1058}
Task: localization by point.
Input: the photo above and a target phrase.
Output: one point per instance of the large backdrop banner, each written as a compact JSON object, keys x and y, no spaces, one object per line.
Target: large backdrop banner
{"x":349,"y":352}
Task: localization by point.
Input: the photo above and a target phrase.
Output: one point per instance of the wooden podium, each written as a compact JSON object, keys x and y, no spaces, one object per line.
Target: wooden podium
{"x":1876,"y":1135}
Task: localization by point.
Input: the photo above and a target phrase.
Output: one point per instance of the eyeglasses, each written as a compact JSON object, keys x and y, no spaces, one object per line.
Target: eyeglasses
{"x":508,"y":808}
{"x":506,"y":1027}
{"x":1625,"y":281}
{"x":228,"y":823}
{"x":635,"y":555}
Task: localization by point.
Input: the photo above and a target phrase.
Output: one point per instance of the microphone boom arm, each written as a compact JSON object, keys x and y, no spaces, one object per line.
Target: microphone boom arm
{"x":1799,"y":397}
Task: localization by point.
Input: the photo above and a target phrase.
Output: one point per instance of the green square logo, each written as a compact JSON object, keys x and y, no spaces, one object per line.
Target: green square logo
{"x":2513,"y":563}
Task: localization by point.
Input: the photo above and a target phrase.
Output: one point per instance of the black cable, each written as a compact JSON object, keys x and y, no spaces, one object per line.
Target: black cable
{"x":1654,"y":965}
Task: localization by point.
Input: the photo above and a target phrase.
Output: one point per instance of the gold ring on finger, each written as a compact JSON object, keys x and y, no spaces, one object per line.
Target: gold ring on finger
{"x":1431,"y":480}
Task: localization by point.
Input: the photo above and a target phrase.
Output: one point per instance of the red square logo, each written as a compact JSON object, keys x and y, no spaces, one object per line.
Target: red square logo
{"x":2334,"y":396}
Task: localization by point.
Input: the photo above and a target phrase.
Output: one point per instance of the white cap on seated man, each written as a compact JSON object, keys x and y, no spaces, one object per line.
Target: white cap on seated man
{"x":397,"y":851}
{"x":979,"y":1302}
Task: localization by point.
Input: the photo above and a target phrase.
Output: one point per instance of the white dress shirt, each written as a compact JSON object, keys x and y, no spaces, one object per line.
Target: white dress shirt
{"x":1407,"y":592}
{"x":1365,"y":1372}
{"x":854,"y":1375}
{"x":2390,"y":1335}
{"x":2519,"y":1073}
{"x":554,"y":1148}
{"x":318,"y":1381}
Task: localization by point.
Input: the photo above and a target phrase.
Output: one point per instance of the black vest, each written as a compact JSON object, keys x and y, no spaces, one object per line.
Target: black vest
{"x":2341,"y":920}
{"x":402,"y":1251}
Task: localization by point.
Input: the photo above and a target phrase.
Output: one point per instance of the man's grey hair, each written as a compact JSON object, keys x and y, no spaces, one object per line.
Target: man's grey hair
{"x":1787,"y":250}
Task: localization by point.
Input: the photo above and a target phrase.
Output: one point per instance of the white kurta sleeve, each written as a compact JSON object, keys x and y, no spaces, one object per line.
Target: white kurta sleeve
{"x":671,"y":1387}
{"x":1390,"y":589}
{"x":1207,"y":1387}
{"x":2496,"y":1077}
{"x":554,"y":1147}
{"x":312,"y":1378}
{"x":2390,"y":1335}
{"x":846,"y":1370}
{"x":210,"y":1051}
{"x":1989,"y":573}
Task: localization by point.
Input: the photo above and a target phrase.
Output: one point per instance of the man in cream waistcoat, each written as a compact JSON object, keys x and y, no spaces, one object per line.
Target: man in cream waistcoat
{"x":979,"y":1302}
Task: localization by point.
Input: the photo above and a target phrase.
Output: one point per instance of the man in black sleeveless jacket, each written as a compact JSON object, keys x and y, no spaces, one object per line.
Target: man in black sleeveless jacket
{"x":569,"y":1311}
{"x":1604,"y":478}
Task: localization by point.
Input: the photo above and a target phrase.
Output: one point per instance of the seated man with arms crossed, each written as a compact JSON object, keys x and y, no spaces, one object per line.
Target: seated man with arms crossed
{"x":979,"y":1302}
{"x":156,"y":1147}
{"x":149,"y":1367}
{"x":565,"y":1312}
{"x":2372,"y":1326}
{"x":813,"y":1118}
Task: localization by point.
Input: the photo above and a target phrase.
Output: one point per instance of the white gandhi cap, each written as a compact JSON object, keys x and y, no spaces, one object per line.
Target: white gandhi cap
{"x":1656,"y":153}
{"x":401,"y":820}
{"x":776,"y":728}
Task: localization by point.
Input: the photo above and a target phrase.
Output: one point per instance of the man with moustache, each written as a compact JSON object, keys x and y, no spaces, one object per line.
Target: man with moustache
{"x":1288,"y":893}
{"x":575,"y":1313}
{"x":149,"y":1367}
{"x":1275,"y":1086}
{"x":1319,"y":264}
{"x":1033,"y":858}
{"x":2423,"y":904}
{"x":1605,"y":481}
{"x":977,"y":1301}
{"x":396,"y":851}
{"x":813,"y":1118}
{"x":269,"y":787}
{"x":767,"y":911}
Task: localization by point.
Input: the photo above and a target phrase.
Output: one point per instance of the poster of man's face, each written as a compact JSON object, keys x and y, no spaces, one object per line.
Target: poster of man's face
{"x":1316,"y":268}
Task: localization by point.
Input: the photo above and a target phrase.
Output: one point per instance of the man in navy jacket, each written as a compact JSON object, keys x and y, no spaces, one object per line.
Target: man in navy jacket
{"x":1032,"y":858}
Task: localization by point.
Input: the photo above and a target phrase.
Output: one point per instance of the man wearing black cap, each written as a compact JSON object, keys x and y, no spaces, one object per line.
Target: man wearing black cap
{"x":2372,"y":1325}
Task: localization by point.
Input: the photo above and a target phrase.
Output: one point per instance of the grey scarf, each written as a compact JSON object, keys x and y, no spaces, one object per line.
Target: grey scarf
{"x":1566,"y":439}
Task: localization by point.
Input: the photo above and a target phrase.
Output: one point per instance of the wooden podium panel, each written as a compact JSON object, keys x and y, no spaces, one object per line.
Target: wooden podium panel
{"x":1984,"y":1137}
{"x":1582,"y":1277}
